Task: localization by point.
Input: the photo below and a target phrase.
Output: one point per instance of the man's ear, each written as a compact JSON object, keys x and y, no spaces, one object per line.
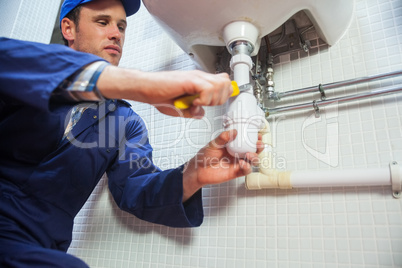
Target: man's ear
{"x":68,"y":29}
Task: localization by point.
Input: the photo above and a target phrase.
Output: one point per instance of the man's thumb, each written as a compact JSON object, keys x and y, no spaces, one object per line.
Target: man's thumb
{"x":224,"y":138}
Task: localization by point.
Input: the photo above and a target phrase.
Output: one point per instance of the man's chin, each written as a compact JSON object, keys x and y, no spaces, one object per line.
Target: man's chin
{"x":113,"y":61}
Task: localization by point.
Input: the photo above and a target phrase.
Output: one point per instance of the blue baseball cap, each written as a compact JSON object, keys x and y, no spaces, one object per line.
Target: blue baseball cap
{"x":130,"y":6}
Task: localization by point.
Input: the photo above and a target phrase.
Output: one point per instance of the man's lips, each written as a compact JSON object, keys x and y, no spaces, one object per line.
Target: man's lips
{"x":113,"y":49}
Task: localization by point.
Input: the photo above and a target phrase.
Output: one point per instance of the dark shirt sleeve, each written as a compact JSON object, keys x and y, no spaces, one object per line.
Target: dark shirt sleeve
{"x":81,"y":86}
{"x":142,"y":189}
{"x":30,"y":72}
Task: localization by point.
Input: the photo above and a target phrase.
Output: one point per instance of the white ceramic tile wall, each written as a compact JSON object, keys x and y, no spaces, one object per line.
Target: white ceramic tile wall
{"x":31,"y":20}
{"x":313,"y":227}
{"x":322,"y":227}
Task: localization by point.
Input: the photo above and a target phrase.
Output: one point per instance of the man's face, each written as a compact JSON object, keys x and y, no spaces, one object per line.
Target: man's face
{"x":101,"y":30}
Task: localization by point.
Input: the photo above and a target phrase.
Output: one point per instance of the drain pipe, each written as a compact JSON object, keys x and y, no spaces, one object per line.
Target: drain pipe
{"x":275,"y":179}
{"x":270,"y":178}
{"x":243,"y":113}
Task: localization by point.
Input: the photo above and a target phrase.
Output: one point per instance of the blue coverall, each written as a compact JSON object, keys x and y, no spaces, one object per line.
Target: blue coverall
{"x":45,"y":180}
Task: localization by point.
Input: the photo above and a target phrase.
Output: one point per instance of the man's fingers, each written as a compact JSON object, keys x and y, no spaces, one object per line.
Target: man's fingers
{"x":253,"y":159}
{"x":260,"y":146}
{"x":224,"y":138}
{"x":196,"y":112}
{"x":244,"y":168}
{"x":216,"y":89}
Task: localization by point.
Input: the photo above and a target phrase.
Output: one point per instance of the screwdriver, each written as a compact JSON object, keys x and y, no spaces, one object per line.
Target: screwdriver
{"x":185,"y":102}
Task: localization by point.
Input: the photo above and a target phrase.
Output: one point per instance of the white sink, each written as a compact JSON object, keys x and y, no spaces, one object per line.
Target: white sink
{"x":197,"y":26}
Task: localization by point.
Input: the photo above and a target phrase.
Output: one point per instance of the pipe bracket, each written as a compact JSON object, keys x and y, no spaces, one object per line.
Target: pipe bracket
{"x":322,"y":92}
{"x":396,"y":179}
{"x":316,"y":109}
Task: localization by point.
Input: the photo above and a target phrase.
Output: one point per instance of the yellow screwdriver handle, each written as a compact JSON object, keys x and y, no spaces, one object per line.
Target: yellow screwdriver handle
{"x":236,"y":90}
{"x":185,"y":102}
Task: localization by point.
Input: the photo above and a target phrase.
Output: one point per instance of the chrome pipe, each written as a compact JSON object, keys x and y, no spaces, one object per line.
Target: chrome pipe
{"x":320,"y":88}
{"x":316,"y":104}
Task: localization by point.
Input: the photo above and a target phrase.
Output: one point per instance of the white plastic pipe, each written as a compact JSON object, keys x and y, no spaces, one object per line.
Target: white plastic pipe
{"x":270,"y":178}
{"x":275,"y":179}
{"x":243,"y":113}
{"x":334,"y":178}
{"x":327,"y":178}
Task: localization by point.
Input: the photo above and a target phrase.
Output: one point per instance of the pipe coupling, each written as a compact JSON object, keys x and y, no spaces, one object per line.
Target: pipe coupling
{"x":241,"y":59}
{"x":274,"y":180}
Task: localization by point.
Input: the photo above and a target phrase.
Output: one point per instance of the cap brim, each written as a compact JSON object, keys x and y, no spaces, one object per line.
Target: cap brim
{"x":131,"y":6}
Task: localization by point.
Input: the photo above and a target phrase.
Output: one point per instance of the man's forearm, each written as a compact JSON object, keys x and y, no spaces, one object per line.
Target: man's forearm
{"x":120,"y":83}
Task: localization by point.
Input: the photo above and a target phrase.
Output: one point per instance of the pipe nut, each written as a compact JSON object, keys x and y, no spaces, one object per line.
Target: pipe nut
{"x":241,"y":59}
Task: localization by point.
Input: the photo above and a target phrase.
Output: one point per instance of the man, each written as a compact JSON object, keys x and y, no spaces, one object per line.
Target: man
{"x":53,"y":152}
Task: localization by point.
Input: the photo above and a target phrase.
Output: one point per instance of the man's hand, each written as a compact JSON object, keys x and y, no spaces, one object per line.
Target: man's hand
{"x":162,"y":88}
{"x":214,"y":165}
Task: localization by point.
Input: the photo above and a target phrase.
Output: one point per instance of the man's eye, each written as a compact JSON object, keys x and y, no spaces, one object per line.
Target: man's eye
{"x":102,"y":22}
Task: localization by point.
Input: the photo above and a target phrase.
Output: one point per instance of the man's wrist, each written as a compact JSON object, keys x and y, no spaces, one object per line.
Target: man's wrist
{"x":190,"y":181}
{"x":82,"y":85}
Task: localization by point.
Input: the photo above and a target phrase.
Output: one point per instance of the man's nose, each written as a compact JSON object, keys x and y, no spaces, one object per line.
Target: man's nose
{"x":115,"y":33}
